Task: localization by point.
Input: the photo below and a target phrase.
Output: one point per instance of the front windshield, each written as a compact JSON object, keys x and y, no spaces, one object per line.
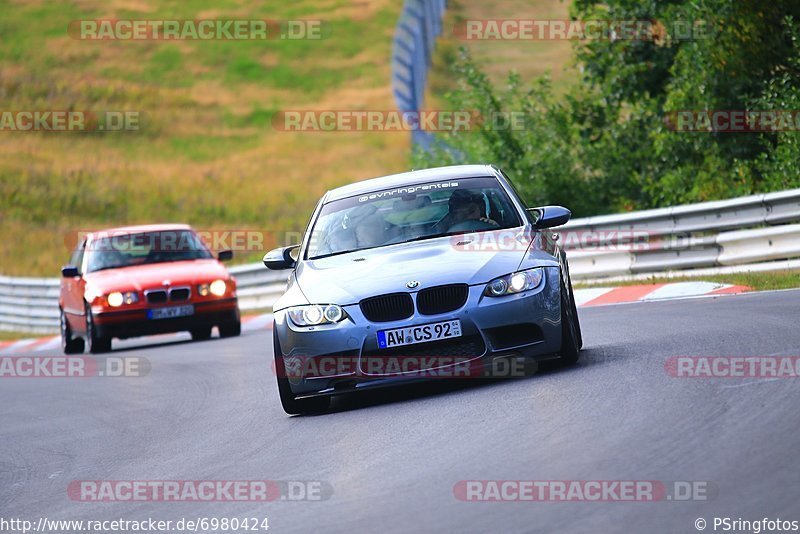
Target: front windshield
{"x":411,"y":213}
{"x":125,"y":250}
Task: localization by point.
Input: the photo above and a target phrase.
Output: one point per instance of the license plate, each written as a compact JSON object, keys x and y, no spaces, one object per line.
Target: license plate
{"x":171,"y":312}
{"x":419,"y":334}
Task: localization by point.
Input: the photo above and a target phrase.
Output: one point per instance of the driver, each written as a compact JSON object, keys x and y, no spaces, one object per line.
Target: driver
{"x":464,"y":206}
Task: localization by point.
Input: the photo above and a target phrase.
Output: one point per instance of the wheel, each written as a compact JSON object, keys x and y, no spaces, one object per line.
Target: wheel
{"x":575,"y":314}
{"x":231,"y":329}
{"x":200,"y":334}
{"x":95,"y":344}
{"x":69,"y":344}
{"x":570,"y":333}
{"x":291,"y":405}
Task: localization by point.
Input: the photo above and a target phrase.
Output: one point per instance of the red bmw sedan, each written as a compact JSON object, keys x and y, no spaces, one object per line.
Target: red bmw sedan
{"x":143,"y":280}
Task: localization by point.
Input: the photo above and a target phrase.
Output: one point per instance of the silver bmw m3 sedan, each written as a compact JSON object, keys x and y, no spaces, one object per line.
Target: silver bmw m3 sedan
{"x":427,"y":274}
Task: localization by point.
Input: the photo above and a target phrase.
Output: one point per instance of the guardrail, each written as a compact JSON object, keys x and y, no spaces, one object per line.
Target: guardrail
{"x":412,"y":49}
{"x":736,"y":232}
{"x":257,"y":287}
{"x":29,"y":304}
{"x":743,"y":212}
{"x":685,"y":237}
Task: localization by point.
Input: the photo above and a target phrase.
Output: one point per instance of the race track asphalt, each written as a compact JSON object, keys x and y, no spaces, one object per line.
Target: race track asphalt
{"x":209,"y":411}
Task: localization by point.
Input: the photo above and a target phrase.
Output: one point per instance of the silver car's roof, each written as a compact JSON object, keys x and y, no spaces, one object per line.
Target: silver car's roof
{"x":437,"y":174}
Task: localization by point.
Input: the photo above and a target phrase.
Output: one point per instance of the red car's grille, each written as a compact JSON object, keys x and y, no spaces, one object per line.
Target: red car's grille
{"x":179,"y":294}
{"x":159,"y":296}
{"x":156,"y":296}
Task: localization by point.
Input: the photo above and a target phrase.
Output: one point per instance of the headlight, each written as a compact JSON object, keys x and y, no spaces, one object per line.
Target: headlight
{"x":117,"y":299}
{"x":216,"y":288}
{"x":316,"y":314}
{"x":514,"y":283}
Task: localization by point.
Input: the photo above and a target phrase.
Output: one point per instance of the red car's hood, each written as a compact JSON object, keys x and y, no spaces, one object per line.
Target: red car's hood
{"x":141,"y":277}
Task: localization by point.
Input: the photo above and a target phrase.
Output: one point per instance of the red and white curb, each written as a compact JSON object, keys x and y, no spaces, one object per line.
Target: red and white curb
{"x":596,"y":296}
{"x":8,"y":348}
{"x":593,"y":296}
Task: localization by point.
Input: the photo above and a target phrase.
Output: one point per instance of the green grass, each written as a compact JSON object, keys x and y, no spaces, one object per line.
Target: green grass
{"x":756,"y":281}
{"x":14,"y":336}
{"x":206,"y":152}
{"x":530,"y":59}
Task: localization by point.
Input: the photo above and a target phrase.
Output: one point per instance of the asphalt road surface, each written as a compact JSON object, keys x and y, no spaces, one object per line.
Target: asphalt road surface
{"x":210,"y":411}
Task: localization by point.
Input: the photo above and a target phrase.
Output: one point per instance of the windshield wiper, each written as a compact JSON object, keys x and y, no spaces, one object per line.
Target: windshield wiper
{"x":433,"y":236}
{"x":335,"y":253}
{"x":107,"y":267}
{"x":344,"y":252}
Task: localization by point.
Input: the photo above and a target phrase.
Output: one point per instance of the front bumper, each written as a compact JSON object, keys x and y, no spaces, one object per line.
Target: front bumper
{"x":133,"y":323}
{"x":526,"y":325}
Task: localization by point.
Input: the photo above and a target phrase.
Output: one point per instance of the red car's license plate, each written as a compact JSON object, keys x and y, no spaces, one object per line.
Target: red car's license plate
{"x":171,"y":312}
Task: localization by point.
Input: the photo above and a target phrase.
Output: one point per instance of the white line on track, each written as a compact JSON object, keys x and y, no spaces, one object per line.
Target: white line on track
{"x":52,"y":343}
{"x":14,"y":347}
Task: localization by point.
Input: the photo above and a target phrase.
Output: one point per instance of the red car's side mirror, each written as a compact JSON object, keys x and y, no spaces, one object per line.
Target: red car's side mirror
{"x":69,"y":271}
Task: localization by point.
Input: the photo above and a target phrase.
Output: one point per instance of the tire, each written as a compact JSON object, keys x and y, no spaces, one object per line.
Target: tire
{"x":290,"y":404}
{"x":575,"y":315}
{"x":231,"y":329}
{"x":570,"y":329}
{"x":200,"y":334}
{"x":96,"y":345}
{"x":69,"y":344}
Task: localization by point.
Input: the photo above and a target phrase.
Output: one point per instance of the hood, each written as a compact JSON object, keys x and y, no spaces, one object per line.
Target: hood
{"x":139,"y":277}
{"x":466,"y":259}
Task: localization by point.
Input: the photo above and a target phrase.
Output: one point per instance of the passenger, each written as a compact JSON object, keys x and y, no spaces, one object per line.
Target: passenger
{"x":371,"y":231}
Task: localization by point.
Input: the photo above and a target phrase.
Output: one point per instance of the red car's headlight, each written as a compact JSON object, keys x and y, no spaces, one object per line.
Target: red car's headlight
{"x":116,"y":299}
{"x":217,"y":288}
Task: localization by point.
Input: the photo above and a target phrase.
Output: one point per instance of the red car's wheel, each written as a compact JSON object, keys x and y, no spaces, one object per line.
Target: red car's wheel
{"x":96,"y":344}
{"x":231,"y":329}
{"x":200,"y":334}
{"x":69,"y":344}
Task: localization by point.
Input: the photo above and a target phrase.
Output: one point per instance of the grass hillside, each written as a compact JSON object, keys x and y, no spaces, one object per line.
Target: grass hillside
{"x":206,"y":152}
{"x":529,"y":58}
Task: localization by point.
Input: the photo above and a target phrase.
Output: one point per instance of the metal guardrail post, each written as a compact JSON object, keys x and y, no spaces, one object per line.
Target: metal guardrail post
{"x":412,"y":51}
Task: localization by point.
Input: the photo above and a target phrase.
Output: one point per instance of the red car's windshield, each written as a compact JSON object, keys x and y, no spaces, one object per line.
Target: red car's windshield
{"x":125,"y":250}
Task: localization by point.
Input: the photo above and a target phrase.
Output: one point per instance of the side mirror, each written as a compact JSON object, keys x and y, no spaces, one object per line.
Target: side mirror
{"x":69,"y":271}
{"x":280,"y":258}
{"x":550,"y":216}
{"x":225,"y":255}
